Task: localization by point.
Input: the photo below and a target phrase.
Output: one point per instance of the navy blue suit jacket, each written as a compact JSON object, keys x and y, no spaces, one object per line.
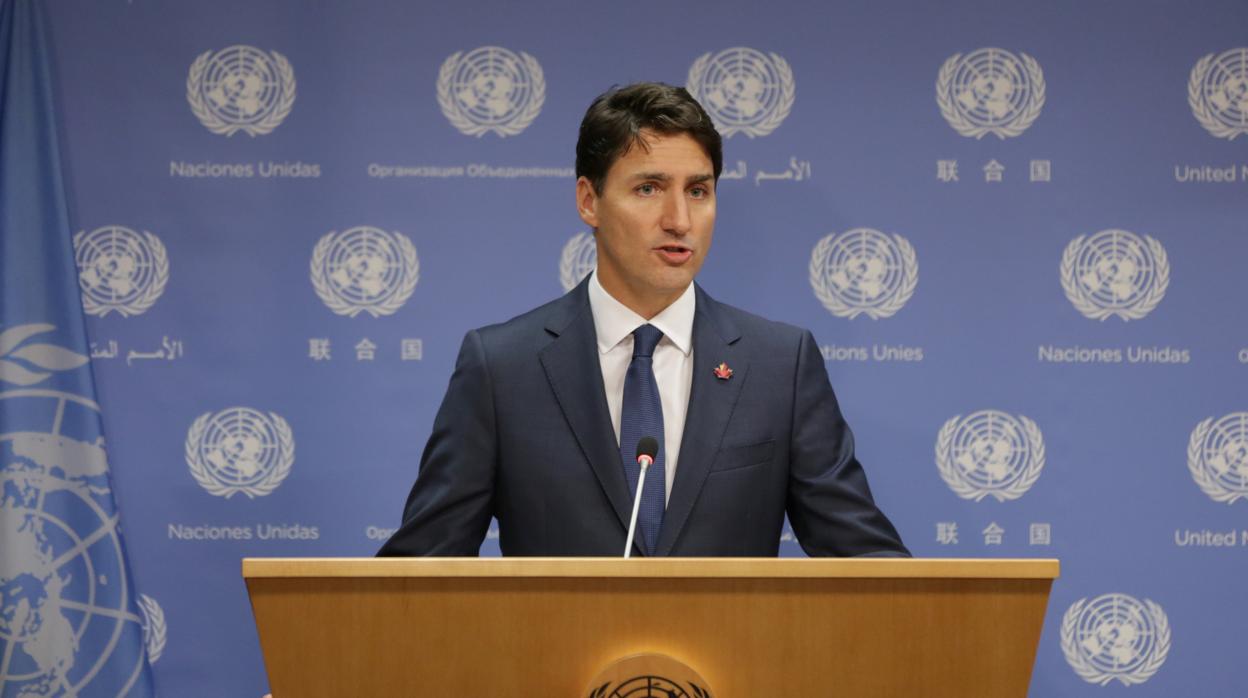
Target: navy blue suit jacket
{"x":524,"y":435}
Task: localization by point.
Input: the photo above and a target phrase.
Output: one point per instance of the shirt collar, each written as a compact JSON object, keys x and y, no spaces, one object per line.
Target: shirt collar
{"x":614,"y":321}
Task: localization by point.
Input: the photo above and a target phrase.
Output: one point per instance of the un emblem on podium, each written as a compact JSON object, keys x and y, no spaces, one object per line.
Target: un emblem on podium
{"x":241,"y":88}
{"x":580,"y":256}
{"x":1217,"y":456}
{"x":648,"y":676}
{"x":1115,"y":272}
{"x":1217,"y":92}
{"x":744,"y":90}
{"x":66,"y":599}
{"x":990,"y":454}
{"x":364,"y":269}
{"x":491,"y":89}
{"x":990,"y":91}
{"x":863,"y":272}
{"x":120,"y":270}
{"x":1115,"y":637}
{"x":239,"y":450}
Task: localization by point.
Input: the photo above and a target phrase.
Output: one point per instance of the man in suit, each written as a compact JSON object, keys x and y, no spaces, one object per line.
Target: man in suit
{"x":540,"y":424}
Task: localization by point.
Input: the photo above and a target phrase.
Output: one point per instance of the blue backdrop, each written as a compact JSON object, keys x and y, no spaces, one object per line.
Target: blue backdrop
{"x":1017,"y":229}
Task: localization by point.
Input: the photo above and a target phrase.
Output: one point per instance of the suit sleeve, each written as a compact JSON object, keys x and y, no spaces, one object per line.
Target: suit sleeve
{"x":829,"y":503}
{"x":449,"y":509}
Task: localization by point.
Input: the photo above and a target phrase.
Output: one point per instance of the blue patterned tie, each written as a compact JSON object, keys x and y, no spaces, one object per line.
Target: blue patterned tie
{"x":642,"y":415}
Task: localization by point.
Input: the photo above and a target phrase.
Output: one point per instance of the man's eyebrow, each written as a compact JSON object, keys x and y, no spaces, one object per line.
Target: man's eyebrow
{"x":664,"y":177}
{"x":658,"y":176}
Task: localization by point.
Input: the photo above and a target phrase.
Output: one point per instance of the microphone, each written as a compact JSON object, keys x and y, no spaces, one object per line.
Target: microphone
{"x":647,"y":449}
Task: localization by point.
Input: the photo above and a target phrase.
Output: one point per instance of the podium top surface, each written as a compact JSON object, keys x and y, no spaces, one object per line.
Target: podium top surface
{"x":728,"y":568}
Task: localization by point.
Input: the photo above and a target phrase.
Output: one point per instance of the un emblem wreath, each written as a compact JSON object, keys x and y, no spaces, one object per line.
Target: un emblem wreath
{"x":894,"y":297}
{"x":1231,"y":433}
{"x":1137,"y":308}
{"x":1084,"y":646}
{"x":254,"y":63}
{"x":1211,"y":100}
{"x":120,"y":270}
{"x":360,"y":244}
{"x":750,"y":62}
{"x":1018,"y":117}
{"x":516,"y":117}
{"x":579,"y":257}
{"x":1020,"y":480}
{"x":155,"y":632}
{"x":255,"y":426}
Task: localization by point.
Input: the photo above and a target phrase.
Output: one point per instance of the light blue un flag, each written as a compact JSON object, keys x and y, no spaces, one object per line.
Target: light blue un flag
{"x":69,"y":619}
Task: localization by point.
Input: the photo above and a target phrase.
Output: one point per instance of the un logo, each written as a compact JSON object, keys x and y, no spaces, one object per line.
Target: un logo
{"x":66,"y":597}
{"x":491,"y":89}
{"x":154,"y":628}
{"x":744,"y":90}
{"x":990,"y":454}
{"x":241,"y":88}
{"x":990,"y":91}
{"x":648,"y":675}
{"x":1115,"y":272}
{"x":120,"y":270}
{"x":1115,"y":637}
{"x":863,"y":272}
{"x":364,"y":269}
{"x":1218,"y":93}
{"x":1217,"y":455}
{"x":580,"y":256}
{"x":239,"y":450}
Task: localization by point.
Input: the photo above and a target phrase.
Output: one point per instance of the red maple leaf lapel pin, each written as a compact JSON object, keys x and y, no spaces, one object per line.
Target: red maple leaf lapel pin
{"x":722,"y":372}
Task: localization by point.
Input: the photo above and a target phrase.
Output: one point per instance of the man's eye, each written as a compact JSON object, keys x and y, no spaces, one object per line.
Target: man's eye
{"x":699,"y":192}
{"x":646,"y":189}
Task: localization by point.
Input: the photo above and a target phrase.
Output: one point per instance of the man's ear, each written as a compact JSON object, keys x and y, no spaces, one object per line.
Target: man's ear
{"x":587,"y":201}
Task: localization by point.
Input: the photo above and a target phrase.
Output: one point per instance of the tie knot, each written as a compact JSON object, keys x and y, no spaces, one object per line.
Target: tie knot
{"x":645,"y":339}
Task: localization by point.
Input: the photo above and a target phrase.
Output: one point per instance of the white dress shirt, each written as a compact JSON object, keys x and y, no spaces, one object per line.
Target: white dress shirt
{"x":673,"y":361}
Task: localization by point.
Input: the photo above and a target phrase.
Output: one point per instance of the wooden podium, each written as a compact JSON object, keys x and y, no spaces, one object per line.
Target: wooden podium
{"x":751,"y":628}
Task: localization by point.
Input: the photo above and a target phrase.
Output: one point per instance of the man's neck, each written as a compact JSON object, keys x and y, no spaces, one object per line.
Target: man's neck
{"x":645,"y":305}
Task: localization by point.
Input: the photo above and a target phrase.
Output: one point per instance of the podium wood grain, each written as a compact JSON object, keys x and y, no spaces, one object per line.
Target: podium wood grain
{"x":498,"y":628}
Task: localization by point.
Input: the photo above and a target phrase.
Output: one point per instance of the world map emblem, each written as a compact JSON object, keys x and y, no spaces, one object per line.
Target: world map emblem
{"x":649,"y":687}
{"x":990,"y":90}
{"x":863,"y":272}
{"x":648,"y":675}
{"x":1217,"y":456}
{"x":364,"y":270}
{"x":67,"y":602}
{"x":120,"y":270}
{"x":240,"y":450}
{"x":1217,"y":92}
{"x":580,"y":256}
{"x":1115,"y":272}
{"x":1115,"y":637}
{"x":743,"y":89}
{"x":491,"y":89}
{"x":990,"y":454}
{"x":241,"y":88}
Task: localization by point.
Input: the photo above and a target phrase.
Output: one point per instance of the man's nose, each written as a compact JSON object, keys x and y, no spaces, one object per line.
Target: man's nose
{"x":676,"y":214}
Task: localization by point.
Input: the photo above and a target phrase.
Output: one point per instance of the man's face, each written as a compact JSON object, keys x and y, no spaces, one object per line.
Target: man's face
{"x":654,"y":218}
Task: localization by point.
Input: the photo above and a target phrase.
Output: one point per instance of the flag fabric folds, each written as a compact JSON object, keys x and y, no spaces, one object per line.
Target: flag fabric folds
{"x":70,"y":623}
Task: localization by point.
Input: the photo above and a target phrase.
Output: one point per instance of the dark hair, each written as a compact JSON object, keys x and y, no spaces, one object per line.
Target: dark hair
{"x":613,"y":124}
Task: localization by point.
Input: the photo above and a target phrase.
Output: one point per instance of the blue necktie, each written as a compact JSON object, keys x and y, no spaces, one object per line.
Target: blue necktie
{"x":641,"y":416}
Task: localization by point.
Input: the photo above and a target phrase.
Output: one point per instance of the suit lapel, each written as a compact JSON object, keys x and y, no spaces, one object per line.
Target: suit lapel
{"x":575,"y":375}
{"x":711,"y":402}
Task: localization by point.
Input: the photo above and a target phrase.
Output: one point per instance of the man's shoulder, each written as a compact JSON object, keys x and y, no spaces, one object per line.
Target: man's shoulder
{"x":760,"y":331}
{"x":532,"y":325}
